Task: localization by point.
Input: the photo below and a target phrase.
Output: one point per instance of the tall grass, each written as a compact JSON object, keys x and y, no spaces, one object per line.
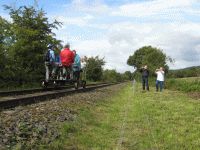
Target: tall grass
{"x":184,"y":84}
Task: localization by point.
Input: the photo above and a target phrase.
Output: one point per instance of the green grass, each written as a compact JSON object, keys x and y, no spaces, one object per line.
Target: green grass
{"x":138,"y":120}
{"x":184,"y":84}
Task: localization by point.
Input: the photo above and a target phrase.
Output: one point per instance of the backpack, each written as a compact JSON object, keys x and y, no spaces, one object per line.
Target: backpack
{"x":47,"y":56}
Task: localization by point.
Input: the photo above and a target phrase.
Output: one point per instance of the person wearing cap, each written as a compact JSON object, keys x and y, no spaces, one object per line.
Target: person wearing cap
{"x":67,"y":59}
{"x":50,"y":63}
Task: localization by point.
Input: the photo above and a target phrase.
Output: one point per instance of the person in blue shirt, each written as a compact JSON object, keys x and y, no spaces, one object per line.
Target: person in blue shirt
{"x":76,"y":65}
{"x":50,"y":63}
{"x":57,"y":59}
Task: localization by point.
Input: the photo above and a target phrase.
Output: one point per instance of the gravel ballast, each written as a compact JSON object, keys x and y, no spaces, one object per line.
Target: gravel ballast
{"x":36,"y":124}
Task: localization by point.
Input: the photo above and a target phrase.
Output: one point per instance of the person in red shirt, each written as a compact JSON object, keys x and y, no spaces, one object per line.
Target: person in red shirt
{"x":67,"y":59}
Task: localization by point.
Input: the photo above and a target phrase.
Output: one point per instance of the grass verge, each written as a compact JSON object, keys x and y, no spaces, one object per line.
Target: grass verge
{"x":133,"y":119}
{"x":184,"y":84}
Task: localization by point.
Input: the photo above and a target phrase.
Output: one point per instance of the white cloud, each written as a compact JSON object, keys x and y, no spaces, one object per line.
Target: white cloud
{"x":79,"y":21}
{"x":179,"y":38}
{"x":92,"y":47}
{"x":164,"y":8}
{"x":95,"y":6}
{"x":181,"y":42}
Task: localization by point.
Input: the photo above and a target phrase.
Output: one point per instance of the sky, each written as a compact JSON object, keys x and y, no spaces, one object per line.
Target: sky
{"x":115,"y":29}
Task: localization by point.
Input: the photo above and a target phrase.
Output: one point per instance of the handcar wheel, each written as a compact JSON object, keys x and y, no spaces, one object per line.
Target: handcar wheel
{"x":55,"y":84}
{"x":84,"y":84}
{"x":44,"y":84}
{"x":76,"y":85}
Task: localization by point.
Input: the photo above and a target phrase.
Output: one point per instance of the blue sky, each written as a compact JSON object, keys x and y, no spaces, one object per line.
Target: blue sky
{"x":114,"y":29}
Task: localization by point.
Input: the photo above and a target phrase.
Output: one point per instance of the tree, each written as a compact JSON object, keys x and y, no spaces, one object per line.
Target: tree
{"x":94,"y":68}
{"x":128,"y":75}
{"x":32,"y":32}
{"x":186,"y":72}
{"x":3,"y":36}
{"x":151,"y":56}
{"x":5,"y":43}
{"x":112,"y":76}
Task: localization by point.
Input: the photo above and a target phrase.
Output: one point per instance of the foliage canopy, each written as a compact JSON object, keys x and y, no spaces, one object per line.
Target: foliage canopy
{"x":23,"y":42}
{"x":94,"y":68}
{"x":151,"y":56}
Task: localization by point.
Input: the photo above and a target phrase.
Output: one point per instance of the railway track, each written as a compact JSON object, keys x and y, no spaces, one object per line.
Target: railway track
{"x":26,"y":97}
{"x":29,"y":91}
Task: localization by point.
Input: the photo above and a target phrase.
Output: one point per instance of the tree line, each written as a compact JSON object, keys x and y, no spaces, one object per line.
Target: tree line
{"x":186,"y":72}
{"x":95,"y":72}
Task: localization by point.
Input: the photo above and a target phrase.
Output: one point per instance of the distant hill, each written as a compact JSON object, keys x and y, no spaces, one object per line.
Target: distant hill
{"x":193,"y":71}
{"x":197,"y":67}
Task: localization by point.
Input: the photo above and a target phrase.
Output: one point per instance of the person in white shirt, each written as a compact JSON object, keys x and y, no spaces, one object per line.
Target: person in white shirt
{"x":160,"y":78}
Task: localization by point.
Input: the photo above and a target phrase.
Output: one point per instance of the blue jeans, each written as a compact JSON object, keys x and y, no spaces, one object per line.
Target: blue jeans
{"x":145,"y":83}
{"x":159,"y":84}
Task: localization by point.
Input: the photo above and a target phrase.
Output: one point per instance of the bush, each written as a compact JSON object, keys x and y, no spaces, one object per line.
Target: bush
{"x":185,"y":84}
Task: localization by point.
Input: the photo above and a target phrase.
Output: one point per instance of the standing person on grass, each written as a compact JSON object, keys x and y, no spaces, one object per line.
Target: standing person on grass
{"x":145,"y":75}
{"x":160,"y":78}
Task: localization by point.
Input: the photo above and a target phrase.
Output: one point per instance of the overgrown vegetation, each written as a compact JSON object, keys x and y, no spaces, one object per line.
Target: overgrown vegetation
{"x":186,"y":80}
{"x":23,"y":43}
{"x":184,"y":84}
{"x":114,"y":76}
{"x":186,"y":72}
{"x":94,"y":68}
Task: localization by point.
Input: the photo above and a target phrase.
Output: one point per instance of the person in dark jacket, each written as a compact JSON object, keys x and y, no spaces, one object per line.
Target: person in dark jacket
{"x":145,"y":75}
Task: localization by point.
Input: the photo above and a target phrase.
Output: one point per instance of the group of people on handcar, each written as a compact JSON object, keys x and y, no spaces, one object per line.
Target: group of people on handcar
{"x":64,"y":66}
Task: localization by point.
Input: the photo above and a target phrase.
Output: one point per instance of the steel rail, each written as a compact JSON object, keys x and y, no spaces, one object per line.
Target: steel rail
{"x":34,"y":90}
{"x":11,"y":102}
{"x":28,"y":91}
